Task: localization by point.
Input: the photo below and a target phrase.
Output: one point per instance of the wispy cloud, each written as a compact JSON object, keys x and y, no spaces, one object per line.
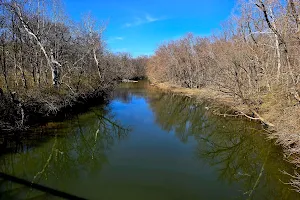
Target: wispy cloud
{"x":114,"y":39}
{"x":120,"y":50}
{"x":142,"y":20}
{"x":118,"y":38}
{"x":142,"y":53}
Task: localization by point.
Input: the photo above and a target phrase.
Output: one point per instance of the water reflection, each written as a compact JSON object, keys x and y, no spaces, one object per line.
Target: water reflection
{"x":236,"y":148}
{"x":76,"y":147}
{"x":126,"y":91}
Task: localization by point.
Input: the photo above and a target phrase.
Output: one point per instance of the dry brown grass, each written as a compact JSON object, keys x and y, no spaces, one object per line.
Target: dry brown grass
{"x":207,"y":94}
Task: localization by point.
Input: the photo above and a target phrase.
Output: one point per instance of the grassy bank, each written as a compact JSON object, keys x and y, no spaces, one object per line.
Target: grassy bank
{"x":213,"y":97}
{"x":206,"y":94}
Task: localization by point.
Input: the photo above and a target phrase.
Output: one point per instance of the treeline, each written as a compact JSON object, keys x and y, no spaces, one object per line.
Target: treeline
{"x":49,"y":62}
{"x":254,"y":59}
{"x":124,"y":66}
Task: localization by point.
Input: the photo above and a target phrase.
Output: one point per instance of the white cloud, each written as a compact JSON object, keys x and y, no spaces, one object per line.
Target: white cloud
{"x":151,"y":19}
{"x":142,"y":53}
{"x":120,"y":50}
{"x":118,"y":38}
{"x":114,"y":39}
{"x":142,"y":20}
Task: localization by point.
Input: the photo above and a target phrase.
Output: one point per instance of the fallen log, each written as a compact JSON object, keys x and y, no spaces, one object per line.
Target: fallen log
{"x":129,"y":81}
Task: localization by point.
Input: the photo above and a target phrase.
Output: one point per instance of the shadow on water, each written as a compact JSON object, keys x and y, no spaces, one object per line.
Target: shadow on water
{"x":48,"y":191}
{"x":75,"y":146}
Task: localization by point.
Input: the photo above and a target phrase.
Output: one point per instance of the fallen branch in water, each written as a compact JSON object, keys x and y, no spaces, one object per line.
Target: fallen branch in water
{"x":240,"y":113}
{"x":258,"y":178}
{"x":294,"y":181}
{"x":129,"y":81}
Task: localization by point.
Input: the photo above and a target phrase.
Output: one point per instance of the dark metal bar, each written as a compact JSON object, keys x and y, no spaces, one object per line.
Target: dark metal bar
{"x":39,"y":187}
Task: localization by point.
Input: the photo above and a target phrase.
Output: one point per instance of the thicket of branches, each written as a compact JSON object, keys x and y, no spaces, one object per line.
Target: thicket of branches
{"x":49,"y":62}
{"x":254,"y":59}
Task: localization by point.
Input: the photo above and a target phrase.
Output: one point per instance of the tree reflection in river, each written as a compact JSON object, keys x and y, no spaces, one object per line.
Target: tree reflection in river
{"x":176,"y":148}
{"x":230,"y":145}
{"x":126,"y":91}
{"x":89,"y":136}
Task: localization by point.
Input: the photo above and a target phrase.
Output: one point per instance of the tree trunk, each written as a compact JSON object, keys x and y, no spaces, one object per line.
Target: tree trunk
{"x":4,"y":69}
{"x":52,"y":63}
{"x":281,"y":41}
{"x":277,"y":45}
{"x":54,"y":70}
{"x":295,"y":15}
{"x":23,"y":70}
{"x":97,"y":64}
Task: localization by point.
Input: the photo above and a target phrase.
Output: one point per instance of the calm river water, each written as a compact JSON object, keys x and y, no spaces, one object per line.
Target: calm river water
{"x":146,"y":144}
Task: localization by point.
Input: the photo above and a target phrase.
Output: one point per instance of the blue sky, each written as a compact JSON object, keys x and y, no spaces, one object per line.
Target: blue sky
{"x":139,"y":26}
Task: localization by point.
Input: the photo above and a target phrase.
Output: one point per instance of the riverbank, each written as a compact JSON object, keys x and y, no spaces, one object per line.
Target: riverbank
{"x":215,"y":98}
{"x":20,"y":113}
{"x":285,"y":120}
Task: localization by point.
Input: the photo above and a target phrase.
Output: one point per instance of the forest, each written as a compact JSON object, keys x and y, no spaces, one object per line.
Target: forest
{"x":50,"y":64}
{"x":253,"y":59}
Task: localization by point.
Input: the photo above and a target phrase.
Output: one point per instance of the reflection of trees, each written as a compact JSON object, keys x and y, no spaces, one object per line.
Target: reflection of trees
{"x":19,"y":142}
{"x":125,"y":92}
{"x":122,"y":95}
{"x":179,"y":114}
{"x":79,"y":147}
{"x":237,"y":149}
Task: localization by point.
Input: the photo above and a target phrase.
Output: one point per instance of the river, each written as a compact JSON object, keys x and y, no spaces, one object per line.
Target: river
{"x":146,"y":144}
